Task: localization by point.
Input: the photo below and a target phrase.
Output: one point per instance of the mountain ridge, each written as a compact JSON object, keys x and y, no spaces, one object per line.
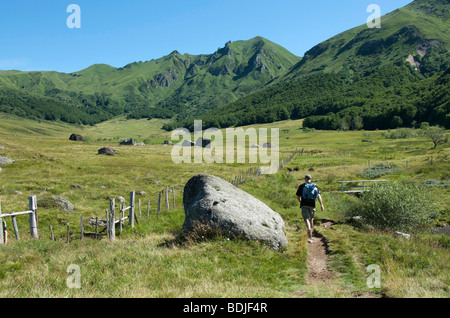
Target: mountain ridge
{"x":146,"y":88}
{"x":258,"y":81}
{"x":347,"y":71}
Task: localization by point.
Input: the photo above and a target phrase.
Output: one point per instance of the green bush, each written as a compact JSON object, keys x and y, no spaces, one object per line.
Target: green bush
{"x":401,"y":133}
{"x":378,"y":170}
{"x":402,"y":206}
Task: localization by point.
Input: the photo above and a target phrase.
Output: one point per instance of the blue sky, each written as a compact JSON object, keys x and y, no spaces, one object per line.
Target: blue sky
{"x":34,"y":34}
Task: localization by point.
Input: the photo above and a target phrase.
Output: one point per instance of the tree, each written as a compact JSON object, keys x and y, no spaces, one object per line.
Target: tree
{"x":344,"y":124}
{"x":396,"y":122}
{"x":357,"y":123}
{"x":437,"y":135}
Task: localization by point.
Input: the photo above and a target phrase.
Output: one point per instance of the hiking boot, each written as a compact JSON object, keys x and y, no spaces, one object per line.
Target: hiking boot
{"x":310,"y":241}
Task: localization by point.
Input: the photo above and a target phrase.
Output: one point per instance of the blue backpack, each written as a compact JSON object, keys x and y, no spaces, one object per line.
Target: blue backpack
{"x":310,"y":191}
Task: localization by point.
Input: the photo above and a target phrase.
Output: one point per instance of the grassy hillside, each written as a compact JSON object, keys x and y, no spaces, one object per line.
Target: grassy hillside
{"x":172,"y":85}
{"x":418,"y":29}
{"x":362,"y":75}
{"x":154,"y":260}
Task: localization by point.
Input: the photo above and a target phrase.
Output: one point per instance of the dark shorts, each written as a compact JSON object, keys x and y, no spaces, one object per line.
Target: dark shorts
{"x":308,"y":212}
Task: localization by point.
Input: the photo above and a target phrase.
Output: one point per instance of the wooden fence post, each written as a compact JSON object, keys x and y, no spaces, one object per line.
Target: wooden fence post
{"x":52,"y":236}
{"x":120,"y":219}
{"x":140,"y":213}
{"x":68,"y":232}
{"x":2,"y":239}
{"x":33,"y":222}
{"x":16,"y":229}
{"x":107,"y":224}
{"x":167,"y":198}
{"x":81,"y":226}
{"x":112,"y":218}
{"x":173,"y":196}
{"x":131,"y":215}
{"x":159,"y":204}
{"x":148,"y":210}
{"x":96,"y":227}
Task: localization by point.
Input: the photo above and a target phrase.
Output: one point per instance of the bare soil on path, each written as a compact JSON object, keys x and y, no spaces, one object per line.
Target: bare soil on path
{"x":318,"y":273}
{"x":317,"y":260}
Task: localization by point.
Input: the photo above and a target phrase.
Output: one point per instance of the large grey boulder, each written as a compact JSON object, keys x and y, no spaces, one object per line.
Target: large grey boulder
{"x":56,"y":203}
{"x":212,"y":201}
{"x":187,"y":143}
{"x":5,"y":161}
{"x":403,"y":235}
{"x":202,"y":142}
{"x":128,"y":142}
{"x":76,"y":137}
{"x":107,"y":151}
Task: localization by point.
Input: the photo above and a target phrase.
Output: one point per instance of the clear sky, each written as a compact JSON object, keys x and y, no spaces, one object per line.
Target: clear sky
{"x":34,"y":35}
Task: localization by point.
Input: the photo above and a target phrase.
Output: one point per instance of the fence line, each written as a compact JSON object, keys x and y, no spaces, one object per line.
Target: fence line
{"x":32,"y":212}
{"x":240,"y":179}
{"x":110,"y":220}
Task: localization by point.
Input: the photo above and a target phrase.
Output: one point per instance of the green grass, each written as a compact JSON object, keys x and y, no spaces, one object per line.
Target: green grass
{"x":153,"y":260}
{"x":409,"y":268}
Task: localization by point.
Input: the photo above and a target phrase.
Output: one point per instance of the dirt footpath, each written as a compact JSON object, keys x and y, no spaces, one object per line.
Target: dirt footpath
{"x":317,"y":261}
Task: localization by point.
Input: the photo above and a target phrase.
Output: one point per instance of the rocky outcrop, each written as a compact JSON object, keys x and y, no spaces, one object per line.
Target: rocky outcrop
{"x":226,"y":50}
{"x":258,"y":63}
{"x":187,"y":143}
{"x":5,"y":161}
{"x":76,"y":137}
{"x":107,"y":151}
{"x":165,"y":80}
{"x":202,"y":142}
{"x":56,"y":203}
{"x":213,"y":202}
{"x":423,"y":47}
{"x":128,"y":142}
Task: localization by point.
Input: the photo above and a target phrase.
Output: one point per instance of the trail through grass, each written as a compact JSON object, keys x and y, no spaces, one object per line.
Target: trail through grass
{"x":151,"y":261}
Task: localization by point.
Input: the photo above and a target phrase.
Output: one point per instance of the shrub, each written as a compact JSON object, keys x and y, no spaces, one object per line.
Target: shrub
{"x":437,"y":183}
{"x":401,"y":206}
{"x":401,"y":133}
{"x":437,"y":135}
{"x":378,"y":170}
{"x":307,"y":130}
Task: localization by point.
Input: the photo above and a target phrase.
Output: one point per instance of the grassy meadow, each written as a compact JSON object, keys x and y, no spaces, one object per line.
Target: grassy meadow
{"x":155,"y":260}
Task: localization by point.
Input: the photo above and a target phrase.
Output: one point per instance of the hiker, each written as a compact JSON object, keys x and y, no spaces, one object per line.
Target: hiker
{"x":307,"y":194}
